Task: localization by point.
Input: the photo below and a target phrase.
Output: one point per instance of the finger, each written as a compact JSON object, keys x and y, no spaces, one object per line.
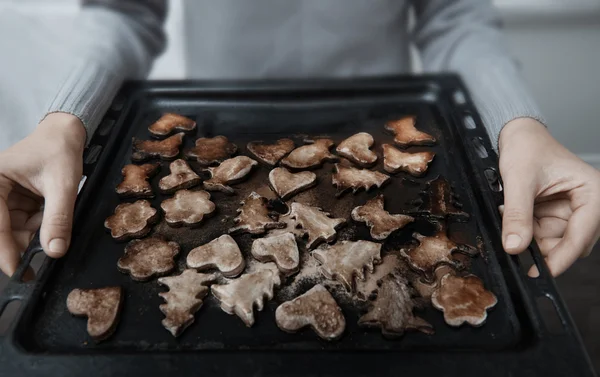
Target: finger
{"x":9,"y":251}
{"x":547,"y":244}
{"x":549,"y":227}
{"x":555,"y":208}
{"x":18,"y":219}
{"x":34,"y":222}
{"x":57,"y":220}
{"x":533,"y":272}
{"x":22,"y":202}
{"x":22,"y":239}
{"x":517,"y":218}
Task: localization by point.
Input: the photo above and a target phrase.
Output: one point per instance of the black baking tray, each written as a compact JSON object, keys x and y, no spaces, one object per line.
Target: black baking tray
{"x":45,"y":339}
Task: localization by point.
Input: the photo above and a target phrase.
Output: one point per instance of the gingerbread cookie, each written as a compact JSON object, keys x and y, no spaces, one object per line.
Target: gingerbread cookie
{"x":253,"y":216}
{"x":415,"y":164}
{"x":348,"y":178}
{"x":187,"y":208}
{"x":181,"y":177}
{"x":101,"y":306}
{"x":212,"y":150}
{"x":131,"y":220}
{"x":311,"y":155}
{"x":221,"y":253}
{"x":441,"y":202}
{"x":169,"y":123}
{"x":357,"y":148}
{"x":270,"y":154}
{"x":406,"y":134}
{"x":287,"y":184}
{"x":281,"y":249}
{"x":380,"y":221}
{"x":229,"y":172}
{"x":390,"y":264}
{"x":315,"y":223}
{"x":149,"y":257}
{"x":166,"y":149}
{"x":135,"y":181}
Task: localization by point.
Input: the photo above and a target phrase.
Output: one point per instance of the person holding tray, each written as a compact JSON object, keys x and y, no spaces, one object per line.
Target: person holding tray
{"x":550,"y":194}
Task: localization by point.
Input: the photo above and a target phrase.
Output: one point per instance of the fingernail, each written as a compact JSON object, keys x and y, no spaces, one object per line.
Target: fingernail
{"x":58,"y":246}
{"x":513,"y":241}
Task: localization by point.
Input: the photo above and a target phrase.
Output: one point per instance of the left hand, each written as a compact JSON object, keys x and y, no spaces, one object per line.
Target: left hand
{"x":549,"y":194}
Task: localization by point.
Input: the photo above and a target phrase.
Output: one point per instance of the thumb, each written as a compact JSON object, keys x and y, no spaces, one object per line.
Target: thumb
{"x":57,"y":221}
{"x":517,"y":219}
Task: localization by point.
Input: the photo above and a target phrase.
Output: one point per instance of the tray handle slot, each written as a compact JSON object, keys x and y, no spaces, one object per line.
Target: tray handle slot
{"x":479,"y":147}
{"x":551,"y":318}
{"x":8,"y":313}
{"x":469,"y":122}
{"x":459,"y":97}
{"x":493,"y":179}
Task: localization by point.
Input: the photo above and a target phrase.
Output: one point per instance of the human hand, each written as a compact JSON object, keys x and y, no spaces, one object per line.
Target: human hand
{"x":549,"y":194}
{"x":45,"y":167}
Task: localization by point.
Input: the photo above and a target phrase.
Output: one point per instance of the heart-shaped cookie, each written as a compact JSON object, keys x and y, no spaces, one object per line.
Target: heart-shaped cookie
{"x":271,"y":153}
{"x":287,"y":184}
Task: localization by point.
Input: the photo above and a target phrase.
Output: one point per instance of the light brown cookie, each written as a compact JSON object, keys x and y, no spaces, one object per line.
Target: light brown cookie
{"x":183,"y":299}
{"x":212,"y":150}
{"x":101,"y":306}
{"x":221,"y":253}
{"x":253,"y":216}
{"x":229,"y":172}
{"x":392,"y":310}
{"x":315,"y":308}
{"x":440,"y":202}
{"x":390,"y":264}
{"x":346,"y":178}
{"x":415,"y":164}
{"x":281,"y":249}
{"x":181,"y":177}
{"x":187,"y":208}
{"x":380,"y":221}
{"x":357,"y":148}
{"x":135,"y":181}
{"x":425,"y":289}
{"x":147,"y":258}
{"x":287,"y":184}
{"x":250,"y":290}
{"x":131,"y":220}
{"x":406,"y":134}
{"x":315,"y":223}
{"x":169,"y":123}
{"x":271,"y":153}
{"x":310,"y":156}
{"x":166,"y":149}
{"x":463,"y":299}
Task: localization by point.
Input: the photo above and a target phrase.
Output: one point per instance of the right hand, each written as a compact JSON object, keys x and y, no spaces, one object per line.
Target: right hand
{"x":45,"y":167}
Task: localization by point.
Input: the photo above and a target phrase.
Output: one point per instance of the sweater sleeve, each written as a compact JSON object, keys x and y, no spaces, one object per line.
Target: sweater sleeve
{"x":113,"y":40}
{"x":465,"y":36}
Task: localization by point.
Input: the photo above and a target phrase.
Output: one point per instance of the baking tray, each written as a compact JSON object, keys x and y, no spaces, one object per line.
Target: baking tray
{"x":516,"y":339}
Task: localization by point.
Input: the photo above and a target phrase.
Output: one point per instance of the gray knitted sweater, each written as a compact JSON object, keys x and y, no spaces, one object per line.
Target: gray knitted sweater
{"x":118,"y":39}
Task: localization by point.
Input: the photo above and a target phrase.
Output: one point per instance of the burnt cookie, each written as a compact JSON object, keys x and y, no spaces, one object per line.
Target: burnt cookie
{"x":169,"y":123}
{"x":440,"y":202}
{"x":392,"y":310}
{"x":463,"y":299}
{"x":229,"y":172}
{"x":184,"y":298}
{"x":310,"y":156}
{"x":135,"y":181}
{"x":181,"y":177}
{"x":280,"y":249}
{"x":212,"y":150}
{"x":187,"y":208}
{"x":147,"y":258}
{"x":415,"y":164}
{"x":406,"y":134}
{"x":287,"y":184}
{"x":253,"y":216}
{"x":166,"y":149}
{"x":380,"y":222}
{"x":315,"y":308}
{"x":101,"y":306}
{"x":271,"y":154}
{"x":250,"y":290}
{"x":346,"y":178}
{"x":221,"y":253}
{"x":315,"y":224}
{"x":131,"y":220}
{"x":357,"y":148}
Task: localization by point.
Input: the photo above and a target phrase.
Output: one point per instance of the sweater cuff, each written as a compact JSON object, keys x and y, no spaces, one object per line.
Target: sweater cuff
{"x":86,"y":92}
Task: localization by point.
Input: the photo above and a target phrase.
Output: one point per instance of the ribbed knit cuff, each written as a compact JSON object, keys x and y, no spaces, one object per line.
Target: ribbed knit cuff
{"x":86,"y":92}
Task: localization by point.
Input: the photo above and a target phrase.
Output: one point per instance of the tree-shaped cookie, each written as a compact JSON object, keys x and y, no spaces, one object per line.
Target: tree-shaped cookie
{"x":357,"y":148}
{"x":183,"y":299}
{"x":250,"y":290}
{"x":463,"y":299}
{"x":169,"y":123}
{"x":390,"y":264}
{"x":221,"y":253}
{"x":149,"y":257}
{"x":406,"y":134}
{"x":315,"y":223}
{"x":135,"y":181}
{"x":281,"y":249}
{"x":310,"y":156}
{"x":181,"y":177}
{"x":166,"y":149}
{"x":315,"y":308}
{"x":287,"y":184}
{"x":131,"y":220}
{"x":271,"y":153}
{"x":346,"y":178}
{"x":101,"y":306}
{"x":440,"y":202}
{"x":392,"y":310}
{"x":380,"y":221}
{"x":212,"y":150}
{"x":253,"y":216}
{"x":415,"y":163}
{"x":187,"y":208}
{"x":229,"y":172}
{"x":347,"y":260}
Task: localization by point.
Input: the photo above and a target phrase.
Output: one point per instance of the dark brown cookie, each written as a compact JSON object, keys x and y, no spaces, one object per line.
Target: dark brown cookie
{"x":380,"y":221}
{"x":221,"y":253}
{"x":147,"y":258}
{"x":181,"y":177}
{"x":254,"y":217}
{"x":166,"y":149}
{"x":406,"y":134}
{"x":415,"y":164}
{"x":271,"y":153}
{"x":187,"y":208}
{"x":212,"y":150}
{"x":135,"y":181}
{"x":440,"y":202}
{"x":287,"y":184}
{"x":229,"y":172}
{"x":357,"y":148}
{"x":101,"y":306}
{"x":131,"y":220}
{"x":310,"y":156}
{"x":347,"y":178}
{"x":169,"y":123}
